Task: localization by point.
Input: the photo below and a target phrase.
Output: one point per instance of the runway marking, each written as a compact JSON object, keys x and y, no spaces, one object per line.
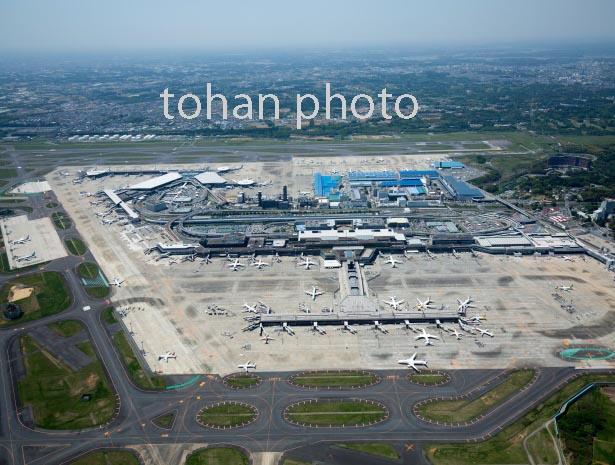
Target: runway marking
{"x":409,"y":447}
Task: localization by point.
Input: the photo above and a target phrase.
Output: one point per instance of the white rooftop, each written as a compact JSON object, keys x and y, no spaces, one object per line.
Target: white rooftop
{"x":156,"y":182}
{"x":209,"y":177}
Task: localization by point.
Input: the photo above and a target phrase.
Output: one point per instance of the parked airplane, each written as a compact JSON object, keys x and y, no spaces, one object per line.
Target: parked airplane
{"x":307,"y":263}
{"x":167,"y":356}
{"x":467,"y":328}
{"x":314,"y":293}
{"x":476,"y":319}
{"x":246,"y":366}
{"x":422,"y":306}
{"x":568,"y":258}
{"x":392,"y":302}
{"x":117,"y":282}
{"x":391,"y":261}
{"x":457,"y":334}
{"x":207,"y":260}
{"x":277,"y":258}
{"x":188,"y":258}
{"x":21,"y":240}
{"x":235,"y":264}
{"x":425,"y":335}
{"x":564,"y":288}
{"x":103,"y":214}
{"x":260,"y":264}
{"x":463,"y":306}
{"x":484,"y":332}
{"x":111,"y":221}
{"x":412,"y":362}
{"x":267,"y":338}
{"x":249,"y":308}
{"x":26,"y":258}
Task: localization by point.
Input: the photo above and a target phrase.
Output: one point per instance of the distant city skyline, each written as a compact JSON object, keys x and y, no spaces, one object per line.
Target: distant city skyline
{"x":192,"y":25}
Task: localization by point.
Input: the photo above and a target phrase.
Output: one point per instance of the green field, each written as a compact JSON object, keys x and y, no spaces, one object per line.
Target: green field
{"x":165,"y":421}
{"x":98,"y":292}
{"x":506,"y":446}
{"x":217,"y":456}
{"x":292,"y":461}
{"x":66,"y":328}
{"x":49,"y":297}
{"x":7,"y":173}
{"x":61,"y":220}
{"x":336,"y":413}
{"x":227,"y":415}
{"x":242,"y":381}
{"x":466,"y":410}
{"x":54,"y":391}
{"x":325,"y":379}
{"x":427,"y":378}
{"x":88,"y":270}
{"x":52,"y":205}
{"x":542,"y":448}
{"x":383,"y":450}
{"x":108,"y":315}
{"x":75,"y":246}
{"x":108,"y":458}
{"x":137,"y":373}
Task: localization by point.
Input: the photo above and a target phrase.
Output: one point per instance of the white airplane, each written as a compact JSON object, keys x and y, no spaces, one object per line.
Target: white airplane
{"x":103,"y":214}
{"x":565,"y":288}
{"x":307,"y":263}
{"x":167,"y":356}
{"x":260,"y":264}
{"x":476,"y":319}
{"x":484,"y":332}
{"x":111,"y":221}
{"x":393,"y":302}
{"x":207,"y":260}
{"x":421,"y":306}
{"x":246,"y":366}
{"x":463,"y":306}
{"x":249,"y":308}
{"x":235,"y":264}
{"x":314,"y":293}
{"x":267,"y":338}
{"x":568,"y":258}
{"x":21,"y":240}
{"x":26,"y":258}
{"x":425,"y":335}
{"x":457,"y":334}
{"x":412,"y":362}
{"x":392,"y":261}
{"x":117,"y":282}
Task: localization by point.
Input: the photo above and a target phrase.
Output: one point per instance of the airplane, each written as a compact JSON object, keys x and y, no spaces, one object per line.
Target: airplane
{"x":267,"y":338}
{"x":249,"y":308}
{"x":188,"y":258}
{"x":26,"y":258}
{"x":463,"y":306}
{"x":246,"y":366}
{"x":467,"y":328}
{"x":117,"y":282}
{"x":425,"y":335}
{"x":421,"y":306}
{"x":457,"y":334}
{"x":392,"y":261}
{"x":77,"y":181}
{"x":235,"y":264}
{"x":455,"y":254}
{"x":392,"y":302}
{"x":277,"y":258}
{"x":207,"y":260}
{"x":564,"y":288}
{"x":307,"y":263}
{"x":476,"y":319}
{"x":103,"y":214}
{"x":412,"y":362}
{"x":260,"y":264}
{"x":21,"y":240}
{"x":111,"y":221}
{"x":568,"y":258}
{"x":167,"y":356}
{"x":314,"y":292}
{"x":483,"y":332}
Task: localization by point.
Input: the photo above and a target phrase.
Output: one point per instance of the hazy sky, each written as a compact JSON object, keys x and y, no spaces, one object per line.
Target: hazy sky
{"x":129,"y":25}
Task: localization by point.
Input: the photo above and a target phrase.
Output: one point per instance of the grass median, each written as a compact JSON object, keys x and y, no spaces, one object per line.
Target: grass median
{"x":218,"y":456}
{"x":466,"y":410}
{"x":108,"y":458}
{"x":336,"y":413}
{"x":242,"y":381}
{"x":383,"y":450}
{"x":75,"y":246}
{"x":227,"y":415}
{"x":333,"y":380}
